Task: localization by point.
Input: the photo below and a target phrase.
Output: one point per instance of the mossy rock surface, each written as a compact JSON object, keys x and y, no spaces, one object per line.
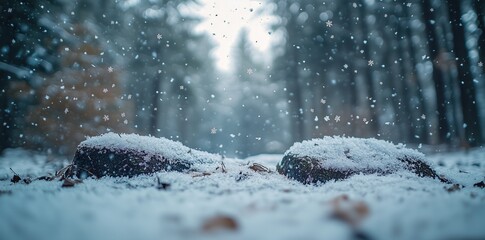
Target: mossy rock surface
{"x":337,"y":158}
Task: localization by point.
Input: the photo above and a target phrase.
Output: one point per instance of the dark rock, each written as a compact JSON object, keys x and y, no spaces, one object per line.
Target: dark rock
{"x":421,"y":168}
{"x":121,"y":162}
{"x":131,"y":155}
{"x":308,"y":170}
{"x":327,"y":159}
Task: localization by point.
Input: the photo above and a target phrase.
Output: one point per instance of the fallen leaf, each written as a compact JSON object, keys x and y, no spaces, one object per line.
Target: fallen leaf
{"x":222,"y":167}
{"x":259,"y":168}
{"x":218,"y":223}
{"x":16,"y":178}
{"x":63,"y":172}
{"x":348,"y":211}
{"x":202,"y":174}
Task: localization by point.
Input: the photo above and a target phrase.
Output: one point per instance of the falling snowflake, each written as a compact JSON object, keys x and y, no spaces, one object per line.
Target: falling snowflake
{"x":480,"y":64}
{"x":323,"y":101}
{"x":123,"y":114}
{"x":106,"y":118}
{"x":66,"y":110}
{"x":9,"y":10}
{"x":423,"y":116}
{"x":125,"y":122}
{"x":250,"y":71}
{"x":370,"y":63}
{"x":337,"y":118}
{"x":159,"y":36}
{"x":213,"y":130}
{"x":105,"y":90}
{"x":346,"y":66}
{"x":110,"y":69}
{"x":181,"y":87}
{"x":326,"y":118}
{"x":329,"y":23}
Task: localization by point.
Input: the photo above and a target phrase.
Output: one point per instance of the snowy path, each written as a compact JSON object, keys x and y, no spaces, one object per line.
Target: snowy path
{"x":263,"y":205}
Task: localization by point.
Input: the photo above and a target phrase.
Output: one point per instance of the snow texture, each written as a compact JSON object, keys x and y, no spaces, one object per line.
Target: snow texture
{"x":264,"y":205}
{"x":169,"y":149}
{"x":344,"y":153}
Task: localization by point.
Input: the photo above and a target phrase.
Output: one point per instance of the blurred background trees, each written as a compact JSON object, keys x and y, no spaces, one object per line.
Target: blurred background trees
{"x":405,"y":71}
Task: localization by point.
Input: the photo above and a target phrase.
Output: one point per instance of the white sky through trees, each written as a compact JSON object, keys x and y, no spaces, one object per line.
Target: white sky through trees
{"x":223,"y":20}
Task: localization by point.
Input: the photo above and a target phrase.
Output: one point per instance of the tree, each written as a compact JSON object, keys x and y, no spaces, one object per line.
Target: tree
{"x":27,"y":45}
{"x":465,"y":78}
{"x":162,"y":63}
{"x":438,"y":78}
{"x":480,"y":11}
{"x":252,"y":107}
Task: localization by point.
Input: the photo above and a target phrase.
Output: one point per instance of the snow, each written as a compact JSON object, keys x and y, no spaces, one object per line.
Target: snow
{"x":169,"y":149}
{"x":344,"y":153}
{"x":264,"y":205}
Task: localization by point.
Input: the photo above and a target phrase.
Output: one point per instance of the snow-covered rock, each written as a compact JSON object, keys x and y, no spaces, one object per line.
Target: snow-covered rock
{"x":264,"y":205}
{"x":130,"y":155}
{"x":334,"y":158}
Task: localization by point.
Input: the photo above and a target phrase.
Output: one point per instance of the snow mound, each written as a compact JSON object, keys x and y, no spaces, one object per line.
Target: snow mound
{"x":343,"y":153}
{"x":149,"y":145}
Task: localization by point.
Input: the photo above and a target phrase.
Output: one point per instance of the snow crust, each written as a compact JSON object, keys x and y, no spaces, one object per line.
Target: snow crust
{"x":344,"y":153}
{"x":264,"y":205}
{"x":169,"y":149}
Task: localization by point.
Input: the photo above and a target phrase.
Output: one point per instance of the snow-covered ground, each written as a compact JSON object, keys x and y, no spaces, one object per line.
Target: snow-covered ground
{"x":241,"y":203}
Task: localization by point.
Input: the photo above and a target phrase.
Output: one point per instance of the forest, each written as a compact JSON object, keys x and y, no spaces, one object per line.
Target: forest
{"x":242,"y":119}
{"x":404,"y":71}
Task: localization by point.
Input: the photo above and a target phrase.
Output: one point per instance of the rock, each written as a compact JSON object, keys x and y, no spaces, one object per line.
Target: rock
{"x":336,"y":158}
{"x":130,"y":155}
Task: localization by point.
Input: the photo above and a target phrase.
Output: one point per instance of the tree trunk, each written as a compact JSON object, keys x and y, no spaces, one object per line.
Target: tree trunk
{"x":479,"y":6}
{"x":420,"y":127}
{"x":374,"y":121}
{"x":397,"y":82}
{"x":438,"y":78}
{"x":5,"y":118}
{"x":294,"y":90}
{"x":350,"y":48}
{"x":465,"y":78}
{"x":154,"y":114}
